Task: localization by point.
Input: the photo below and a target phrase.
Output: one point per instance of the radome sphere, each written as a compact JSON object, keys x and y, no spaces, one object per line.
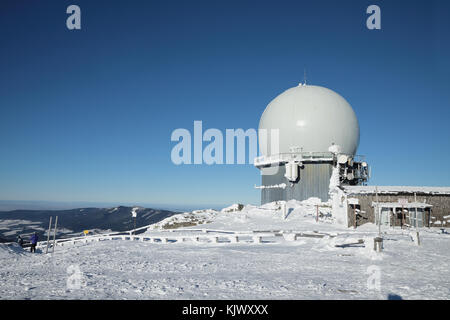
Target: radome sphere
{"x":309,"y":119}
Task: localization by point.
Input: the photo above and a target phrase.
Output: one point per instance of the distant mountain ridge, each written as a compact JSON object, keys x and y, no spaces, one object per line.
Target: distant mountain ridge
{"x":74,"y":221}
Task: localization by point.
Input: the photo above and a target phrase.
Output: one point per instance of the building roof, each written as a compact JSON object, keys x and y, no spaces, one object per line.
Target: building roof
{"x":396,"y":190}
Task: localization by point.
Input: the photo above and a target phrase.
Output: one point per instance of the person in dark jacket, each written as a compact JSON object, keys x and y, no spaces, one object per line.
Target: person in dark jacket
{"x":33,"y":240}
{"x":20,"y":241}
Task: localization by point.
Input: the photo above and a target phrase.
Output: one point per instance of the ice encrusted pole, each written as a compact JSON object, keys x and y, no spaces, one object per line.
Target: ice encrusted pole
{"x":337,"y":196}
{"x":54,"y":235}
{"x":48,"y":234}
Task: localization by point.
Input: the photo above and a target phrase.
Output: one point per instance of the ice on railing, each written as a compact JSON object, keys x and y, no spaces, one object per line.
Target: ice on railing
{"x":286,"y":157}
{"x":275,"y":186}
{"x":301,"y":156}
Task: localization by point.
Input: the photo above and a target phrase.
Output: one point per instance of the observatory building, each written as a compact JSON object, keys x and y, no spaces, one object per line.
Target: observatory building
{"x":308,"y":138}
{"x":307,"y":135}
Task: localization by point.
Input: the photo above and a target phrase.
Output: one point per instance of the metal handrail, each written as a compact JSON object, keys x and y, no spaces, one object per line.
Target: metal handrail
{"x":300,"y":156}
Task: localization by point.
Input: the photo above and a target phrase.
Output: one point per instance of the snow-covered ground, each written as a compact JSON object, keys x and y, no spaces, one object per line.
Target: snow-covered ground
{"x":335,"y":266}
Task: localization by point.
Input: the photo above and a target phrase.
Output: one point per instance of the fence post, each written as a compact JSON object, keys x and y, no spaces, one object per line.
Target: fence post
{"x":48,"y":234}
{"x":257,"y":239}
{"x":54,"y":234}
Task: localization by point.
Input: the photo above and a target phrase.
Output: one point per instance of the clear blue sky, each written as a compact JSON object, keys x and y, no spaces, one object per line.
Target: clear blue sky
{"x":87,"y":115}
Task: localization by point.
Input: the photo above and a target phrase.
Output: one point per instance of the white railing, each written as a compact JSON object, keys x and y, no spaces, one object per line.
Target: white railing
{"x":300,"y":157}
{"x":295,"y":156}
{"x":168,"y":238}
{"x":171,"y":236}
{"x":206,"y":236}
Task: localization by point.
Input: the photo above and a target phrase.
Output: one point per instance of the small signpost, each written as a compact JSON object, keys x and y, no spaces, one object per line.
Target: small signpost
{"x":378,"y":244}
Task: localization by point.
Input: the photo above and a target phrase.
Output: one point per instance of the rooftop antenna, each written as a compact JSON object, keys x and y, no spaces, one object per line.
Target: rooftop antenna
{"x":304,"y":77}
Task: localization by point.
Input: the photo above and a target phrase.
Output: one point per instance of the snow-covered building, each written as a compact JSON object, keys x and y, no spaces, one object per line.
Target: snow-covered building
{"x":305,"y":134}
{"x":398,"y":205}
{"x":308,"y":138}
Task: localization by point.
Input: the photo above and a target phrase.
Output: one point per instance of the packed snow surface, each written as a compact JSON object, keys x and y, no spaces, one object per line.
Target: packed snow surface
{"x":326,"y":261}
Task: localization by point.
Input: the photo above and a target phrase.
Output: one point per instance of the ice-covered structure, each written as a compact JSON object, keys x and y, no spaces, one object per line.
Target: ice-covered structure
{"x":305,"y":134}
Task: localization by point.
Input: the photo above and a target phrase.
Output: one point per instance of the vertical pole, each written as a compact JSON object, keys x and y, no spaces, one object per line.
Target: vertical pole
{"x":317,"y":213}
{"x":417,"y":221}
{"x":134,"y":231}
{"x":54,"y":235}
{"x":429,"y":218}
{"x":378,"y":212}
{"x":395,"y":217}
{"x":48,"y":234}
{"x":401,"y":223}
{"x":415,"y":200}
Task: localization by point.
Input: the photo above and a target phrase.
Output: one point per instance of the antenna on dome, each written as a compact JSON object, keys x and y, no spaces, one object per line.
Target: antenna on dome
{"x":304,"y":77}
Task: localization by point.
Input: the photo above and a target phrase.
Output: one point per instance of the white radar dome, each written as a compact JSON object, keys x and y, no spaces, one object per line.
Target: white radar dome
{"x":309,"y":119}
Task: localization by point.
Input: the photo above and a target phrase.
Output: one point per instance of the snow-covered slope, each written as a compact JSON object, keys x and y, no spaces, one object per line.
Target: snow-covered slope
{"x":297,"y":217}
